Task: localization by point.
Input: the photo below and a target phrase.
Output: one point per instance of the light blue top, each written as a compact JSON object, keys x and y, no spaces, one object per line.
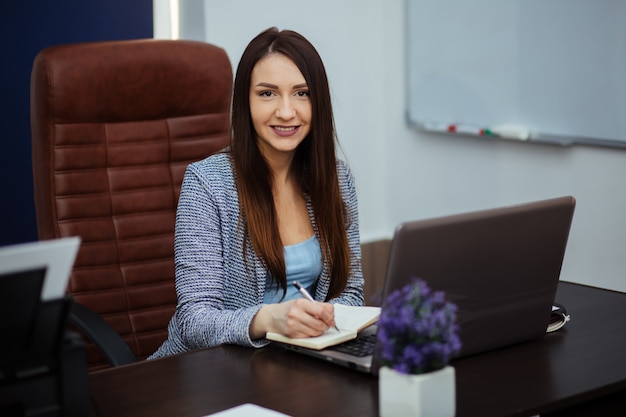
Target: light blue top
{"x":303,"y":263}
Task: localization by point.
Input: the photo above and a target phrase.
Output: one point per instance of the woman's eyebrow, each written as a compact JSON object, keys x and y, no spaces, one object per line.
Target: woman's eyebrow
{"x":267,"y":85}
{"x":274,"y":86}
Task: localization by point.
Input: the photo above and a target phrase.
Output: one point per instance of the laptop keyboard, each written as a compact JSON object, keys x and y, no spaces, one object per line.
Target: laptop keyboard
{"x":362,"y":346}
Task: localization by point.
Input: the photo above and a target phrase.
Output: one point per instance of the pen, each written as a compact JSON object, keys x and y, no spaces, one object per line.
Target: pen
{"x":306,"y":295}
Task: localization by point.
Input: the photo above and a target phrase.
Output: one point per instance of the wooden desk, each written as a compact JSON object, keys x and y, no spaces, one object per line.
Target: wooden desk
{"x":579,"y":369}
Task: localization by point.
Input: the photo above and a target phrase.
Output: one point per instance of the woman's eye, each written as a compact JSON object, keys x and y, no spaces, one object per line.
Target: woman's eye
{"x":265,"y":93}
{"x":303,"y":94}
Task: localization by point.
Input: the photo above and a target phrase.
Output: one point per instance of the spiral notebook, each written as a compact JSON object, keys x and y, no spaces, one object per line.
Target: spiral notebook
{"x":500,"y":266}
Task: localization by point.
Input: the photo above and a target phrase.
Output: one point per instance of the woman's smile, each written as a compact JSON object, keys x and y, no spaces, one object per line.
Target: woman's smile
{"x":285,"y":131}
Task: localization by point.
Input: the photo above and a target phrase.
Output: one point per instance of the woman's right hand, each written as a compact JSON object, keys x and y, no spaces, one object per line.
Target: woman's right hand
{"x":295,"y":318}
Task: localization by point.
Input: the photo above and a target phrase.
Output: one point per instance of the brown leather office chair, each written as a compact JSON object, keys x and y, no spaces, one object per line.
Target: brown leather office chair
{"x":114,"y":125}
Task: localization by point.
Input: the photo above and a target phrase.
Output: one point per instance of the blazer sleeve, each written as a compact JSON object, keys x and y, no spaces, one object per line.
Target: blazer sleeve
{"x":206,"y":313}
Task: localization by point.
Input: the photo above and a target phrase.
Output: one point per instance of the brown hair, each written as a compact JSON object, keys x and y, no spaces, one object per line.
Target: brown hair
{"x":314,"y":163}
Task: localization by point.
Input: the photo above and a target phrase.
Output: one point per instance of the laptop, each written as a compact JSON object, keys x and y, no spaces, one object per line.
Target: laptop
{"x":31,"y":275}
{"x":55,"y":257}
{"x":500,"y":266}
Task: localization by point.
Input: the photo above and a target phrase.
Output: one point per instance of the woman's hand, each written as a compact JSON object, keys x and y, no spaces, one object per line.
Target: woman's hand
{"x":296,"y":318}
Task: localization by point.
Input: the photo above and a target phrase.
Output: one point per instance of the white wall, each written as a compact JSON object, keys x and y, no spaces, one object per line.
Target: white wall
{"x":405,"y":175}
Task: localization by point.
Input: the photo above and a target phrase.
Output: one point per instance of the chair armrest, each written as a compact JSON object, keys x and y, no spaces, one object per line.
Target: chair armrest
{"x":110,"y":343}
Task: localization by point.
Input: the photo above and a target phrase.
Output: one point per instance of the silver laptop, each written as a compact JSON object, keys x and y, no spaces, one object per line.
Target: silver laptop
{"x":55,"y":257}
{"x":32,"y":274}
{"x":500,"y":266}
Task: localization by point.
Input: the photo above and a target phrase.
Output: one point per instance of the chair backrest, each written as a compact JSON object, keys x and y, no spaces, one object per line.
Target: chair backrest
{"x":114,"y":125}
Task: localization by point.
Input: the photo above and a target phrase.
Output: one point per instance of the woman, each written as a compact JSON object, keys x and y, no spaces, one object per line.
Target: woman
{"x":275,"y":207}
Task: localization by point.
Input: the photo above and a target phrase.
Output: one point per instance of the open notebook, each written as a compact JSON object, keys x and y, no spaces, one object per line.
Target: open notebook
{"x":350,"y":321}
{"x":500,"y":266}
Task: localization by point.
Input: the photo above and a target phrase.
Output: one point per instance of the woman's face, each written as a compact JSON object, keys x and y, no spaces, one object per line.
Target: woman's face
{"x":280,"y":105}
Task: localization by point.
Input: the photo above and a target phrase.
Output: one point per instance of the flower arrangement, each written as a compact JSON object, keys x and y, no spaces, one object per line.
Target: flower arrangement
{"x":417,"y":329}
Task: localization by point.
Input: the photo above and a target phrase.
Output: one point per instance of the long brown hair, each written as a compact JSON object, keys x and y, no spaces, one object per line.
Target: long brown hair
{"x":314,"y":163}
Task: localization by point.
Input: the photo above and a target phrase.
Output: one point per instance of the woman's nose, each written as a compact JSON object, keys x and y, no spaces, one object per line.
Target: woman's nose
{"x":285,"y":109}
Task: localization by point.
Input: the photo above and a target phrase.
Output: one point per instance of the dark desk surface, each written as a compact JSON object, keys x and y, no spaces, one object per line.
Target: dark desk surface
{"x":581,"y":363}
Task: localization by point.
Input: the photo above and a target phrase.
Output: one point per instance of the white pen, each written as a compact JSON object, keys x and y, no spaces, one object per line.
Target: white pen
{"x":306,"y":295}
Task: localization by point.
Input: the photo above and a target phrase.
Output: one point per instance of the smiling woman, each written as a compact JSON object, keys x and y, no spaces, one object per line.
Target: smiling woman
{"x":275,"y":207}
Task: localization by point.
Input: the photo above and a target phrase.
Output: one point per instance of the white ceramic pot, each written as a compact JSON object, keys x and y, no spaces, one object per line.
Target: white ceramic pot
{"x":432,"y":394}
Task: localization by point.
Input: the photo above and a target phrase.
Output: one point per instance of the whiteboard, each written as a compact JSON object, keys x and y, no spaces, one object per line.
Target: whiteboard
{"x":553,"y":68}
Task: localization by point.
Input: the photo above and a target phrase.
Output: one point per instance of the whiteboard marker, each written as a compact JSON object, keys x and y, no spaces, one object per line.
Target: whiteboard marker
{"x":453,"y":128}
{"x":511,"y":132}
{"x":471,"y":130}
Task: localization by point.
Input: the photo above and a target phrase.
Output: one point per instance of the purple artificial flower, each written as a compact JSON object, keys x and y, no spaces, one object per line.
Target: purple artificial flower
{"x":417,"y":329}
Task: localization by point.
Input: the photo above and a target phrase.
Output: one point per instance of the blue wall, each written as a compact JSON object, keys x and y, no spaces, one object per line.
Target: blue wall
{"x":27,"y":26}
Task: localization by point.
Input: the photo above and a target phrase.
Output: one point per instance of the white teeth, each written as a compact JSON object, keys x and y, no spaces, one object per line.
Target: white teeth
{"x":284,"y":129}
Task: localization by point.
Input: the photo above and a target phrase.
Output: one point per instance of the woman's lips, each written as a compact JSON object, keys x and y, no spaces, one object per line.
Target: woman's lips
{"x":285,"y":131}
